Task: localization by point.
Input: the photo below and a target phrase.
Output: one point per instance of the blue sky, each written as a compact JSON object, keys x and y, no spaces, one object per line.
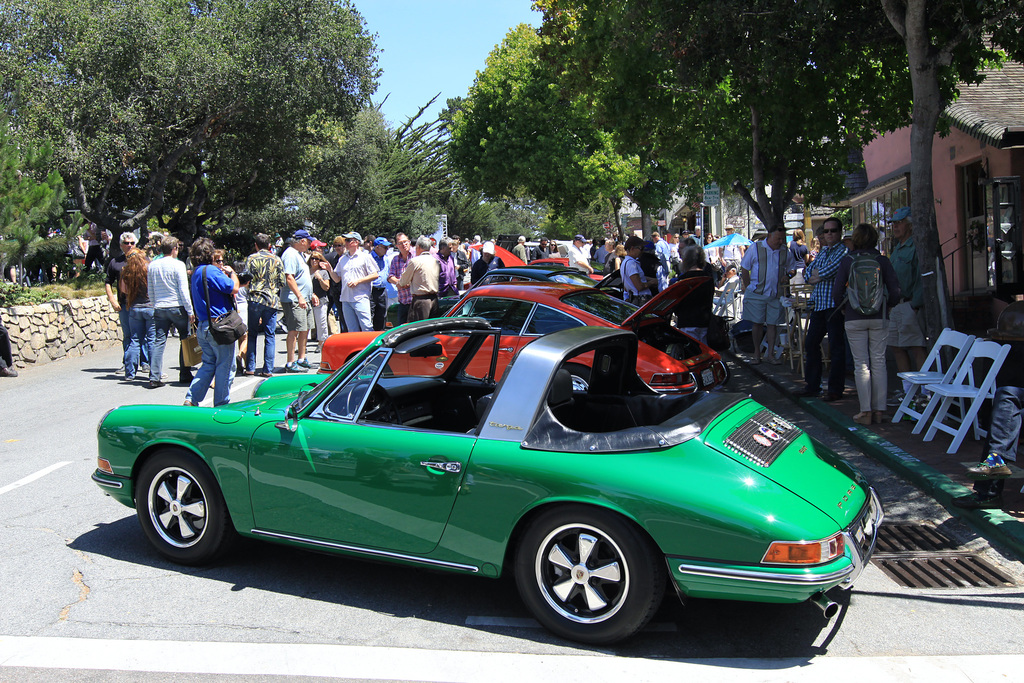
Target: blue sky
{"x":432,"y":46}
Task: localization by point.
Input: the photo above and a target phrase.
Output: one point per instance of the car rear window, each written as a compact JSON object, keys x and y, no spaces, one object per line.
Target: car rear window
{"x":600,"y":304}
{"x":574,"y":278}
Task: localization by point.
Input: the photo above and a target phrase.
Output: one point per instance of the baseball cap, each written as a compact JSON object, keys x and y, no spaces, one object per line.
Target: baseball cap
{"x":381,"y":242}
{"x":488,"y":247}
{"x":579,"y":238}
{"x":900,"y":215}
{"x":302,"y":234}
{"x":353,"y":236}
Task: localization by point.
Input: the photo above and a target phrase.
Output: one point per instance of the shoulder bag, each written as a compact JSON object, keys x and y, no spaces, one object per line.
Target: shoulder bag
{"x":227,"y":328}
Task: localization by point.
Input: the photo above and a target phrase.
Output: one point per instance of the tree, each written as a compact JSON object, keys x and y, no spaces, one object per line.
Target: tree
{"x":181,"y":110}
{"x":765,"y":96}
{"x":946,"y":43}
{"x":516,"y":134}
{"x":31,"y":191}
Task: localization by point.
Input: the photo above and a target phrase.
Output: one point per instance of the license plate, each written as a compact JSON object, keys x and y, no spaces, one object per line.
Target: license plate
{"x":707,"y":377}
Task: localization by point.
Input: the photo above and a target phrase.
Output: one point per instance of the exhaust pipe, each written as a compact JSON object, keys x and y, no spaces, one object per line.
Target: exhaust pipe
{"x":825,"y":604}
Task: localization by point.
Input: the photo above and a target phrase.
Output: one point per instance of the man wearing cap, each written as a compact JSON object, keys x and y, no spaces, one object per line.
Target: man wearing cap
{"x":379,"y":287}
{"x":448,"y":284}
{"x":765,"y":271}
{"x":487,"y":261}
{"x":297,"y":301}
{"x":421,"y":277}
{"x":578,"y":255}
{"x":906,"y":336}
{"x":399,"y":263}
{"x":355,"y":272}
{"x":520,"y":248}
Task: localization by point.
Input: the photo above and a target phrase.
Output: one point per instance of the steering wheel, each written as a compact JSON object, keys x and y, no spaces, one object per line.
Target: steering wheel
{"x":355,"y":396}
{"x":380,"y":408}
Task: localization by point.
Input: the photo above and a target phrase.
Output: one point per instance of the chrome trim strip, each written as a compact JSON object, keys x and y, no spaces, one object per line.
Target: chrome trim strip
{"x":367,"y":551}
{"x":111,"y":484}
{"x":760,"y":577}
{"x":874,"y":507}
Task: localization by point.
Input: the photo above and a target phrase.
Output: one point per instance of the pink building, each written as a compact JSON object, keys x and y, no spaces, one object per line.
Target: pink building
{"x":977,"y":170}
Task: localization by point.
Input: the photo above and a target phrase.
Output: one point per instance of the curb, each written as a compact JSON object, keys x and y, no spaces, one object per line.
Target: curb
{"x":994,"y":525}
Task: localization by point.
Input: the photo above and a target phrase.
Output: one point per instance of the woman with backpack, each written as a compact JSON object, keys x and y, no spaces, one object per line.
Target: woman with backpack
{"x":865,"y":283}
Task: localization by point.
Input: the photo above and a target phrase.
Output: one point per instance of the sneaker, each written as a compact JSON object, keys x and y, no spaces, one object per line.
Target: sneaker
{"x":987,"y":470}
{"x":293,"y":367}
{"x":8,"y":372}
{"x":155,"y":385}
{"x":264,"y":373}
{"x":976,"y":502}
{"x":303,"y":363}
{"x":896,"y":399}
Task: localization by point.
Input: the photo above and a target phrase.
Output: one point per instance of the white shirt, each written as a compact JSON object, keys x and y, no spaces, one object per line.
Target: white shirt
{"x":575,"y":256}
{"x":631,"y":266}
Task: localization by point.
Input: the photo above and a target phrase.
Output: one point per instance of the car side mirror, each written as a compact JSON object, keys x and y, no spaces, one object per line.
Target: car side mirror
{"x":291,"y":419}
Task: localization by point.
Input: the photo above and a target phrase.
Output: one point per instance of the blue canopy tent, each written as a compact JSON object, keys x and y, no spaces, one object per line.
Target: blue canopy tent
{"x":733,"y":239}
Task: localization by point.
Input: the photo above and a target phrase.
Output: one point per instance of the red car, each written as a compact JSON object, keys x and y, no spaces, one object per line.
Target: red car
{"x":668,"y":360}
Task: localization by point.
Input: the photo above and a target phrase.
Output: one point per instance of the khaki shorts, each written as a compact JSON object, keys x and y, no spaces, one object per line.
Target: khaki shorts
{"x":905,"y":327}
{"x":761,"y":309}
{"x":297,"y":319}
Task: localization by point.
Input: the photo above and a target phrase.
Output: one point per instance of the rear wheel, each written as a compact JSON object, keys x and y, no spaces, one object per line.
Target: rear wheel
{"x":181,"y":508}
{"x":589,"y":575}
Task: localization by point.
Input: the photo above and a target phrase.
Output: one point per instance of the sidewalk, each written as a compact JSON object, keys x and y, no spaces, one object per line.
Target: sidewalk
{"x":925,"y":464}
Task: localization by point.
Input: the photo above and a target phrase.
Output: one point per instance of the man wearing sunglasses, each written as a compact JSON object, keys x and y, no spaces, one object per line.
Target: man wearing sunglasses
{"x":825,"y":318}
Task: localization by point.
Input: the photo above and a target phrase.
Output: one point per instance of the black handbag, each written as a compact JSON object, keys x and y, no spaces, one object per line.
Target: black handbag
{"x":227,"y":328}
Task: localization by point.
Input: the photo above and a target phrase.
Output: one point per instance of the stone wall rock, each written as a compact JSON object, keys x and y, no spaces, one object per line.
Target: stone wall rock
{"x":58,"y":329}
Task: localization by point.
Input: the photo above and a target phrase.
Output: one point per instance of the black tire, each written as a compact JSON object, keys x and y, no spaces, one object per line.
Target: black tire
{"x":589,"y":575}
{"x":181,"y":509}
{"x":580,"y":376}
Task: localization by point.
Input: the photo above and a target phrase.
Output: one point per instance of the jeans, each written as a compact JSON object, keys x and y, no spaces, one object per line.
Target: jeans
{"x":126,"y":328}
{"x":357,"y":315}
{"x":164,"y":319}
{"x":218,"y":368}
{"x":1007,"y":406}
{"x":403,"y":314}
{"x":142,"y":332}
{"x":867,"y":342}
{"x":828,"y":321}
{"x":262,"y":320}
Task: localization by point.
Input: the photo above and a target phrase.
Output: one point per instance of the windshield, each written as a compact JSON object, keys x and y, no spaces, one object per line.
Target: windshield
{"x":600,"y":304}
{"x":573,"y":278}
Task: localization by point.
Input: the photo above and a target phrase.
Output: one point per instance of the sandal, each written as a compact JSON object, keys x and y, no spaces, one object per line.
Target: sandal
{"x":863,"y":418}
{"x":879,"y":417}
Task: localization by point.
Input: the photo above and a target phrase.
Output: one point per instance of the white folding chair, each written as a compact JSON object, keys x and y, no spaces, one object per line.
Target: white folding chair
{"x":962,"y":388}
{"x":931,"y":372}
{"x":725,"y":303}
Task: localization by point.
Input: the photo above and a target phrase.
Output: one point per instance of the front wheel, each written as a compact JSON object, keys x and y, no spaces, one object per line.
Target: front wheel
{"x":181,"y":508}
{"x":589,"y":575}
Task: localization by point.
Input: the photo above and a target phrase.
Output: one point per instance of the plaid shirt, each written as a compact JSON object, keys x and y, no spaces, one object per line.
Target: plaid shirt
{"x":825,"y":265}
{"x":398,"y":265}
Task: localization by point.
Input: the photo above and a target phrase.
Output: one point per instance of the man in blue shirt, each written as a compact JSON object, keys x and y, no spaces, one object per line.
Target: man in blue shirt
{"x":297,"y":301}
{"x":379,"y":289}
{"x":825,"y":318}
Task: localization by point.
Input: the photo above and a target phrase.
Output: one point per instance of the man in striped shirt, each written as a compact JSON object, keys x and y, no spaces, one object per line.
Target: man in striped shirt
{"x":825,"y":319}
{"x":395,"y":270}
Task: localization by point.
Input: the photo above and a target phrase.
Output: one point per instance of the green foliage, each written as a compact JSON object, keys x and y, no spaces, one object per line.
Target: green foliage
{"x":766,"y":96}
{"x":31,"y":192}
{"x":516,"y":133}
{"x":82,"y":287}
{"x":179,"y":110}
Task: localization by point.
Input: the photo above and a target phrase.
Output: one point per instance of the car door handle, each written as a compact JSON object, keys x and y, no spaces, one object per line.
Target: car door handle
{"x":454,"y":467}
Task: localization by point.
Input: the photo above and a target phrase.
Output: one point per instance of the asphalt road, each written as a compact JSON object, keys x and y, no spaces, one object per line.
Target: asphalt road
{"x":82,"y":590}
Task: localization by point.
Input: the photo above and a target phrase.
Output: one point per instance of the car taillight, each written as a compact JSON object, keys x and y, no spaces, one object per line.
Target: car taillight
{"x":672,"y":379}
{"x":325,"y":366}
{"x":805,"y":552}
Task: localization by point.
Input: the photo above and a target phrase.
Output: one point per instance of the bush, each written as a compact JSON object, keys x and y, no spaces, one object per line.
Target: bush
{"x":81,"y":287}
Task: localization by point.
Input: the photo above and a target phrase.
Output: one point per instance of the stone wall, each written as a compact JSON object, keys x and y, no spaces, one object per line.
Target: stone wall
{"x":58,"y":329}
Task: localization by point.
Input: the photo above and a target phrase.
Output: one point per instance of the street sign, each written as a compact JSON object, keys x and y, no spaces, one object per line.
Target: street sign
{"x":712,"y":194}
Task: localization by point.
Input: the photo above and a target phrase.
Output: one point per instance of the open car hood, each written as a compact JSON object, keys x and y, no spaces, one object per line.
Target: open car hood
{"x":664,"y":302}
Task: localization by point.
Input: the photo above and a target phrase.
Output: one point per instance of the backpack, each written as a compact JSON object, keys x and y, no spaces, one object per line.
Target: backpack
{"x":865,"y":288}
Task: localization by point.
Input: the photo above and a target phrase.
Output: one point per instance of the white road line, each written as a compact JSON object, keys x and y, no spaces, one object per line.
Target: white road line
{"x":32,"y":477}
{"x":235,"y":386}
{"x":387,"y":663}
{"x":522,"y":622}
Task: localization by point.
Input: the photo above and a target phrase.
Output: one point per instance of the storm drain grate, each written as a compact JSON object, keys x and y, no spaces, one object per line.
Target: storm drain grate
{"x":896,"y":538}
{"x":920,"y":556}
{"x":942,"y":570}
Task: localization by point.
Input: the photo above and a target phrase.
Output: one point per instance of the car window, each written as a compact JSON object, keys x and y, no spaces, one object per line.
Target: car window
{"x":344,"y":404}
{"x":507,"y":314}
{"x":492,"y":279}
{"x":547,"y":320}
{"x":573,"y":278}
{"x":600,"y":304}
